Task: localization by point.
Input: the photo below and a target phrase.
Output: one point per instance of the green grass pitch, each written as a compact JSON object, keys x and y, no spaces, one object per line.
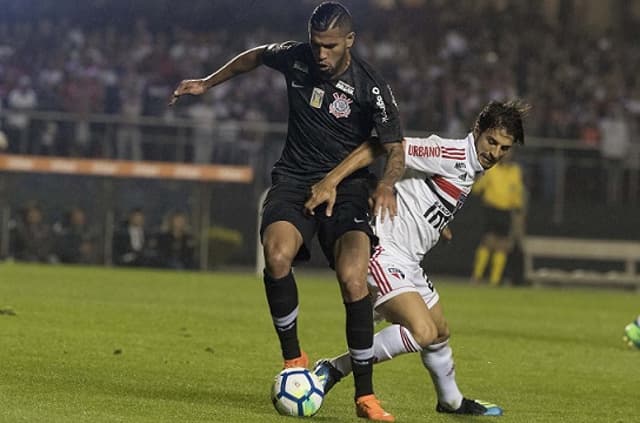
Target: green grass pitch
{"x":110,"y":345}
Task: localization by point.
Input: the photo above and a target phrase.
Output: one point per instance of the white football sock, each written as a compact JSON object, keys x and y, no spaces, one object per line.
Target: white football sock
{"x":388,"y":343}
{"x":438,"y":359}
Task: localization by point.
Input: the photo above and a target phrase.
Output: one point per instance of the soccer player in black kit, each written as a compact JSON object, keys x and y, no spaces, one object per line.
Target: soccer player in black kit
{"x":335,"y":101}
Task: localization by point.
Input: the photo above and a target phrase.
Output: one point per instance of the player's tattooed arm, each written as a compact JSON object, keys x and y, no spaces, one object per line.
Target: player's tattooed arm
{"x":394,"y":168}
{"x":384,"y":199}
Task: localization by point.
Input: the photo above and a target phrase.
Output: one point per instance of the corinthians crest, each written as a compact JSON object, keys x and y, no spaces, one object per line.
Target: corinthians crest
{"x":339,"y":107}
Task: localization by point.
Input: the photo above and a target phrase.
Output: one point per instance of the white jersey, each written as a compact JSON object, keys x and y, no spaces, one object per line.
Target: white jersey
{"x":426,"y":204}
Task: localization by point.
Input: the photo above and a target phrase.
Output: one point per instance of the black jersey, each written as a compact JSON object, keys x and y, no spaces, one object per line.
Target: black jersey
{"x":328,"y":119}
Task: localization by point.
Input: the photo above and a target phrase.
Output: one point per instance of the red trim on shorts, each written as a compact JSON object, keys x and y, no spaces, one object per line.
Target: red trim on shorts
{"x":379,"y":277}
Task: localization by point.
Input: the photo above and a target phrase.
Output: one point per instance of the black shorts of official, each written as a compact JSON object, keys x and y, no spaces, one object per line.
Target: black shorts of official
{"x":497,"y":221}
{"x":285,"y":202}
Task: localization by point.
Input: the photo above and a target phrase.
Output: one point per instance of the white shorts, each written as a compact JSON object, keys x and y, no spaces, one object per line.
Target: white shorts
{"x":390,"y":275}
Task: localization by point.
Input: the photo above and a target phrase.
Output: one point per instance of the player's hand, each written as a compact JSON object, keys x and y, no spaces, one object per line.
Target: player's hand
{"x":188,"y":86}
{"x":321,"y":192}
{"x":384,"y":201}
{"x":446,"y":234}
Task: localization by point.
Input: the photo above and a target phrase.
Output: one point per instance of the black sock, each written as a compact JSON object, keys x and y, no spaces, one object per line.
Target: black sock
{"x":282,"y":295}
{"x":360,"y":342}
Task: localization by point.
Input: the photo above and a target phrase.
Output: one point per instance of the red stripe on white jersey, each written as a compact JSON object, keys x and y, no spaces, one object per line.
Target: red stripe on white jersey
{"x":453,"y":153}
{"x":447,"y":187}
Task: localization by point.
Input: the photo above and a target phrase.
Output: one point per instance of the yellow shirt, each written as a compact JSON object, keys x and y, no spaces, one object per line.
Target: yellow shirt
{"x":501,"y":187}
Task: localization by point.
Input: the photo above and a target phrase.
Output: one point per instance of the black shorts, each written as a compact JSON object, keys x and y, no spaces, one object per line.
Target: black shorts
{"x":285,"y":202}
{"x":497,"y":221}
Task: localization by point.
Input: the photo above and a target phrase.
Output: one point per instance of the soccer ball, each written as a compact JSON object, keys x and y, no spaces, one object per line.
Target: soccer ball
{"x":297,"y":392}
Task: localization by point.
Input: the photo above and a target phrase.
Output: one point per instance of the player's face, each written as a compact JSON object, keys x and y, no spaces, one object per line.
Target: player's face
{"x":331,"y":50}
{"x":492,"y":145}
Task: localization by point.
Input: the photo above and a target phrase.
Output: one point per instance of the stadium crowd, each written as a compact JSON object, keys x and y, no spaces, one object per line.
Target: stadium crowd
{"x":442,"y":59}
{"x":74,"y":239}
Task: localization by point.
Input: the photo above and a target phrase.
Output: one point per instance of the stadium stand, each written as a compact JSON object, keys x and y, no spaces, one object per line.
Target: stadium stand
{"x":92,"y":81}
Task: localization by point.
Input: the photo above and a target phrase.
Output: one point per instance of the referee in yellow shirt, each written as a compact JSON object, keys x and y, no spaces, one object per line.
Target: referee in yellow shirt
{"x":502,"y":192}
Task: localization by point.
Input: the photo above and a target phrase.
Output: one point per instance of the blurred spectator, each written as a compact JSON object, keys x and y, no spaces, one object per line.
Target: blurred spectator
{"x":83,"y":95}
{"x":614,"y":147}
{"x":75,"y":240}
{"x":32,"y":238}
{"x":203,"y":115}
{"x":4,"y":142}
{"x":77,"y":68}
{"x":130,"y":241}
{"x":129,"y":135}
{"x":176,"y":245}
{"x":21,"y":99}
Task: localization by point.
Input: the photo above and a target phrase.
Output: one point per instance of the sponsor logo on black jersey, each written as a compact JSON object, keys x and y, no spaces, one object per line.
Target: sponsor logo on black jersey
{"x":380,"y":104}
{"x":343,"y":86}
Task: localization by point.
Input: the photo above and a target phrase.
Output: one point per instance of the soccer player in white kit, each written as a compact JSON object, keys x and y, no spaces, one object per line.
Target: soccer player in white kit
{"x":426,"y":204}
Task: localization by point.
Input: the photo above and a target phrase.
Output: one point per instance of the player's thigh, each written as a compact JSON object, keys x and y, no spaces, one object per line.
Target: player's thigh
{"x":281,"y":241}
{"x":336,"y":234}
{"x":284,"y":226}
{"x":351,"y":253}
{"x":409,"y":310}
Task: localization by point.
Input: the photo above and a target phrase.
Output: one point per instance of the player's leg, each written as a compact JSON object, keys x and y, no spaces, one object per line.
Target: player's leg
{"x":412,"y":330}
{"x":281,"y":242}
{"x":352,"y":255}
{"x":438,"y":360}
{"x":346,"y":240}
{"x":498,"y":226}
{"x":481,"y":257}
{"x":498,"y":260}
{"x":393,"y":281}
{"x":284,"y":231}
{"x":351,"y":259}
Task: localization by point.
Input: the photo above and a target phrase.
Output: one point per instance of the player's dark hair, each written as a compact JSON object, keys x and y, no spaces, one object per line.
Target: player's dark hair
{"x":507,"y":115}
{"x":329,"y":15}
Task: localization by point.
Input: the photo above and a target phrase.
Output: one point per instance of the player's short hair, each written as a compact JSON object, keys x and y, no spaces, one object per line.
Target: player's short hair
{"x":329,"y":15}
{"x":507,"y":115}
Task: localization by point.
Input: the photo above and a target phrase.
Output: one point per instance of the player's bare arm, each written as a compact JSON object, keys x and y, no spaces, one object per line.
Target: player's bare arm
{"x":324,"y":191}
{"x":244,"y":62}
{"x":384,"y":196}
